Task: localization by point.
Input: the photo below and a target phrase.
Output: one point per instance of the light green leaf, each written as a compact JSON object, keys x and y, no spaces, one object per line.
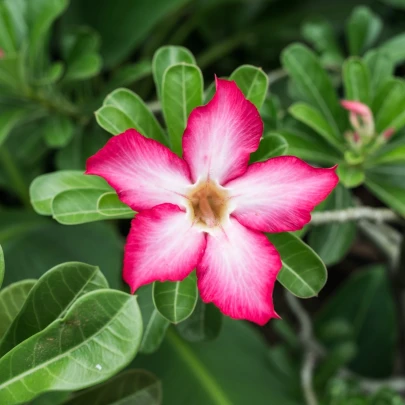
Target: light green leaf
{"x":314,"y":85}
{"x":395,"y":48}
{"x":363,"y":298}
{"x":303,"y":273}
{"x":2,"y":266}
{"x":204,"y":324}
{"x":165,"y":57}
{"x":182,"y":91}
{"x":381,"y":69}
{"x":253,"y":82}
{"x":270,"y":146}
{"x":350,"y":176}
{"x":389,"y":154}
{"x":98,"y":336}
{"x":61,"y":286}
{"x":332,"y":241}
{"x":110,"y":205}
{"x":12,"y":298}
{"x":176,"y":300}
{"x":84,"y":68}
{"x":363,"y":29}
{"x":58,"y":131}
{"x":45,"y":187}
{"x":310,"y":147}
{"x":315,"y":120}
{"x":356,"y":80}
{"x":155,"y":325}
{"x":131,"y":387}
{"x":123,"y":109}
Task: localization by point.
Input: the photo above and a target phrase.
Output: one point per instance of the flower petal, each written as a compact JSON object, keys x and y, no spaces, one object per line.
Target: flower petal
{"x":278,"y":195}
{"x":162,"y":245}
{"x":221,"y":135}
{"x":142,"y":171}
{"x":238,"y":271}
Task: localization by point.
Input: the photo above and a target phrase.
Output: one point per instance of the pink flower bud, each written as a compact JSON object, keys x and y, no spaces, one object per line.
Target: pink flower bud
{"x":2,"y":53}
{"x":360,"y":117}
{"x":388,"y":133}
{"x":357,"y":108}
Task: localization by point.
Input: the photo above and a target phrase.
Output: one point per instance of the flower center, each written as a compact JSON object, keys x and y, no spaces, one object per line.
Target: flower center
{"x":208,"y":204}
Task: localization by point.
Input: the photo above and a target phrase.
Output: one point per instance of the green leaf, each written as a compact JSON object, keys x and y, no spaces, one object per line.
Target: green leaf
{"x":315,"y":120}
{"x":58,"y":131}
{"x":333,"y":241}
{"x":389,"y":106}
{"x":395,"y":48}
{"x":131,"y":387}
{"x":72,"y":207}
{"x":61,"y":286}
{"x":350,"y":176}
{"x":155,"y":325}
{"x":363,"y":29}
{"x":123,"y":109}
{"x":389,"y":154}
{"x":270,"y":146}
{"x":310,"y":147}
{"x":361,"y":311}
{"x":2,"y":266}
{"x":387,"y":182}
{"x":12,"y":299}
{"x":47,"y":186}
{"x":176,"y":300}
{"x":381,"y":69}
{"x":165,"y":57}
{"x":356,"y":80}
{"x":10,"y":118}
{"x":303,"y":273}
{"x":130,"y":73}
{"x":98,"y":336}
{"x":203,"y":325}
{"x":253,"y":82}
{"x":110,"y":205}
{"x":9,"y":39}
{"x":203,"y":375}
{"x":45,"y":244}
{"x":182,"y":91}
{"x":314,"y":85}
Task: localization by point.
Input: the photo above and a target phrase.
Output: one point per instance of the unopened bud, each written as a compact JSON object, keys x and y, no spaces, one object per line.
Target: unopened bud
{"x":2,"y":53}
{"x":388,"y":133}
{"x":360,"y":116}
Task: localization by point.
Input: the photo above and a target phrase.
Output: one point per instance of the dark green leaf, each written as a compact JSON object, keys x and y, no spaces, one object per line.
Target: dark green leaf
{"x":98,"y":336}
{"x":182,"y":91}
{"x":395,"y":48}
{"x":2,"y":266}
{"x":389,"y":154}
{"x":361,"y":311}
{"x":380,"y":67}
{"x":50,"y":298}
{"x":176,"y":300}
{"x":131,"y":73}
{"x":303,"y":273}
{"x":253,"y":82}
{"x":270,"y":146}
{"x":363,"y":29}
{"x":12,"y":298}
{"x":132,"y":387}
{"x":356,"y":80}
{"x":58,"y":131}
{"x":333,"y":241}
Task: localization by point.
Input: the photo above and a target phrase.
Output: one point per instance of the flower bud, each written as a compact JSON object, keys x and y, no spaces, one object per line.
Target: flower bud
{"x":360,"y":117}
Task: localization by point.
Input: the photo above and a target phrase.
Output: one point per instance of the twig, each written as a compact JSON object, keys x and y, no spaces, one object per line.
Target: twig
{"x":354,"y":214}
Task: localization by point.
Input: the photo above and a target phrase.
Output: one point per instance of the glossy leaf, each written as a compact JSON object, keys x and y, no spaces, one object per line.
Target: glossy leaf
{"x":79,"y":352}
{"x":58,"y":131}
{"x":203,"y":325}
{"x":12,"y":298}
{"x":361,"y":311}
{"x":165,"y":57}
{"x":47,"y":186}
{"x":381,"y":69}
{"x":176,"y":300}
{"x":155,"y":325}
{"x":356,"y":80}
{"x":314,"y":119}
{"x":253,"y":82}
{"x":182,"y":91}
{"x":131,"y":387}
{"x":270,"y":146}
{"x":333,"y":241}
{"x":314,"y":85}
{"x":363,"y":29}
{"x":50,"y":298}
{"x":350,"y":176}
{"x":303,"y":273}
{"x":110,"y":205}
{"x":395,"y":48}
{"x":123,"y":109}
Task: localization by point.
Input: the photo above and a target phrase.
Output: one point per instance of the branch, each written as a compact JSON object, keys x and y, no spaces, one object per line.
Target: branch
{"x":354,"y":214}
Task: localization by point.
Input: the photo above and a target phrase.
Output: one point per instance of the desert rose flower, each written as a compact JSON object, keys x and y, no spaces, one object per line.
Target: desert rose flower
{"x":208,"y":210}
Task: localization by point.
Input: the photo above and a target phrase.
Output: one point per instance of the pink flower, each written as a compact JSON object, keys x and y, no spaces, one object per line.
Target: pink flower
{"x":360,"y":117}
{"x":207,"y":210}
